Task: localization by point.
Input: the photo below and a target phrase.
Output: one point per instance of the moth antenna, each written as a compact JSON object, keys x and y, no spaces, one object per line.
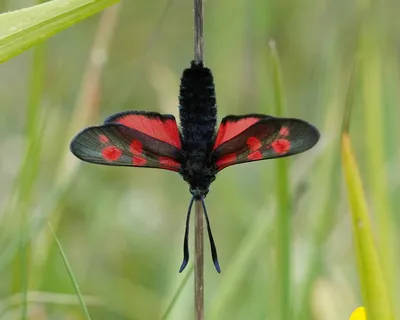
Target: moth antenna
{"x":185,"y":240}
{"x":210,"y":236}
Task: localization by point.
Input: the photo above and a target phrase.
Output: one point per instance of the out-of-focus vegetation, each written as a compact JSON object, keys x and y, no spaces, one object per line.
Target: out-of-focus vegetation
{"x":21,"y":29}
{"x":121,"y":229}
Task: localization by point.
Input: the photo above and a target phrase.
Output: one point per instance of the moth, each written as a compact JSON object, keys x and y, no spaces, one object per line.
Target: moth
{"x":196,"y":149}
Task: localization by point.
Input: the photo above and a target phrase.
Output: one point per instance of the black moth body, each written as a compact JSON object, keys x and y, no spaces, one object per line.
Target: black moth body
{"x":198,"y":116}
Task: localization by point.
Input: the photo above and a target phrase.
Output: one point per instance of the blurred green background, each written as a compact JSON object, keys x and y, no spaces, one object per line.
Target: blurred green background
{"x":122,"y":229}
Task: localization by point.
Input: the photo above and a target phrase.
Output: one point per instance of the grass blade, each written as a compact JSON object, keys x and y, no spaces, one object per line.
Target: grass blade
{"x":283,"y":221}
{"x":240,"y":264}
{"x":374,"y":292}
{"x":29,"y":174}
{"x":71,"y":275}
{"x":177,"y":293}
{"x":375,"y":128}
{"x":22,"y":29}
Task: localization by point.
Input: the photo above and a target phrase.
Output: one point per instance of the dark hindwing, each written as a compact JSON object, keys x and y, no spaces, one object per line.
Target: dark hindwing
{"x":257,"y":137}
{"x":118,"y":145}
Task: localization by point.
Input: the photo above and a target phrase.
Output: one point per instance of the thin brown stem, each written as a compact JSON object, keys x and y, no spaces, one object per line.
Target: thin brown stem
{"x":199,"y":262}
{"x":198,"y":236}
{"x":198,"y":30}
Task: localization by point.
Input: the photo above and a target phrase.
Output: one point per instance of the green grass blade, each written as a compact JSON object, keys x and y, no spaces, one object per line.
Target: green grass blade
{"x":375,"y":128}
{"x":71,"y":275}
{"x":374,"y":291}
{"x":283,"y":221}
{"x":240,"y":265}
{"x":24,"y":263}
{"x":177,"y":293}
{"x":29,"y":173}
{"x":278,"y":83}
{"x":22,"y":29}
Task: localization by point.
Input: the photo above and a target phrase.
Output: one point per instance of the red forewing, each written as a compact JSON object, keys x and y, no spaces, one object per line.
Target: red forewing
{"x":264,"y":139}
{"x":231,"y":126}
{"x":159,"y":126}
{"x":118,"y":145}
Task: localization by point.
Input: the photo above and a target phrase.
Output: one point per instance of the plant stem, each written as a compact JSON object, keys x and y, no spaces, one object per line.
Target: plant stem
{"x":30,"y":172}
{"x":283,"y":222}
{"x":199,"y":262}
{"x":71,"y":274}
{"x":177,"y":293}
{"x":198,"y":30}
{"x":198,"y":237}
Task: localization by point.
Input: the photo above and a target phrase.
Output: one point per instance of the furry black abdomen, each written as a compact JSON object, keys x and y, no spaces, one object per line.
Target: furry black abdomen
{"x":198,"y":115}
{"x":198,"y":110}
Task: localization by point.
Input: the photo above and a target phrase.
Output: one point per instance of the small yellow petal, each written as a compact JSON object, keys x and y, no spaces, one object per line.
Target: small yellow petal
{"x":359,"y":314}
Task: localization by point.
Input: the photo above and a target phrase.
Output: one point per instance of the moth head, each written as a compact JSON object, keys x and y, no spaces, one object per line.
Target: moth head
{"x":198,"y":193}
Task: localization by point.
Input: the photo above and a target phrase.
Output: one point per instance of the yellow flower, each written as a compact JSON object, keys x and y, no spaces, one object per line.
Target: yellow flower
{"x":359,"y":314}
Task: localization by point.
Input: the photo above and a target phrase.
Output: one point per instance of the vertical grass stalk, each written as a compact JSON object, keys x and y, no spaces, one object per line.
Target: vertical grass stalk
{"x":198,"y":237}
{"x":199,"y":262}
{"x":198,"y":30}
{"x":376,"y":152}
{"x":71,"y":275}
{"x":30,"y":168}
{"x":375,"y":294}
{"x":374,"y":289}
{"x":177,"y":293}
{"x":283,"y":219}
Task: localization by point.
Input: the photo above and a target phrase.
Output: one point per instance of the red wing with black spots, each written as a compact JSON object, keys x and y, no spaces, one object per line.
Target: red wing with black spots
{"x":118,"y":145}
{"x":257,"y":137}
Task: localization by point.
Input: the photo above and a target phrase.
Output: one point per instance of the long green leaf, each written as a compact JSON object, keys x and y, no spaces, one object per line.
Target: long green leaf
{"x":284,"y":225}
{"x":374,"y":291}
{"x":375,"y":156}
{"x":177,"y":293}
{"x":71,"y":275}
{"x":22,"y":29}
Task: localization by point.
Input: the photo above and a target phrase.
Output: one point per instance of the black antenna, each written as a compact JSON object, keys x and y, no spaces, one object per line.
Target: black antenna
{"x":185,"y":240}
{"x":210,"y":236}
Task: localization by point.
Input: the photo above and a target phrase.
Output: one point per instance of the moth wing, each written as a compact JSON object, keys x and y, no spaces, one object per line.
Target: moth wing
{"x":118,"y":145}
{"x":158,"y":126}
{"x":264,"y":138}
{"x":232,"y":126}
